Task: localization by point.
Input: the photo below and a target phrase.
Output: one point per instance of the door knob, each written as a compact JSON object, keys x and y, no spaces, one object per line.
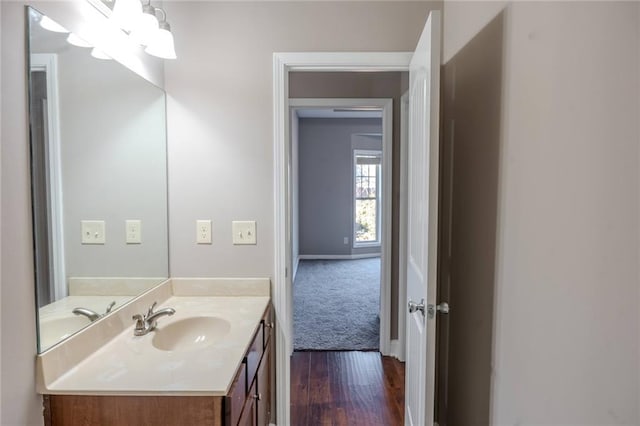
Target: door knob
{"x":413,"y":306}
{"x":443,"y":308}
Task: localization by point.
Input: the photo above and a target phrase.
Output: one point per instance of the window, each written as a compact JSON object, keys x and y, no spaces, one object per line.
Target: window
{"x":367,"y":197}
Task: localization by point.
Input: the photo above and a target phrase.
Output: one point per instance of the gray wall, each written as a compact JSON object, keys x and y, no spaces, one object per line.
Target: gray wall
{"x":19,"y":401}
{"x":565,"y":327}
{"x":326,"y":181}
{"x":469,"y":158}
{"x":114,"y":166}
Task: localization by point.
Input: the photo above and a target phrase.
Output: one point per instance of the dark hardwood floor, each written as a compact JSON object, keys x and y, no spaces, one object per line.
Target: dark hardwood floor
{"x":346,"y":388}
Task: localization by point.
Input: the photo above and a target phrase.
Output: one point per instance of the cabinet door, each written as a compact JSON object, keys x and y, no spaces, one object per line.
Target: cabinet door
{"x":264,"y":388}
{"x":248,"y":417}
{"x":254,"y":354}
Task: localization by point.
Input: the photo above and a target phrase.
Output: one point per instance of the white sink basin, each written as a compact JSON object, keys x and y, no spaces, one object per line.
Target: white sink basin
{"x":190,"y":333}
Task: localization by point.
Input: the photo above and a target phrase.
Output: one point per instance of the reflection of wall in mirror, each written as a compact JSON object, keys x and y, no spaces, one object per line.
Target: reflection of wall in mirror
{"x":113,"y":165}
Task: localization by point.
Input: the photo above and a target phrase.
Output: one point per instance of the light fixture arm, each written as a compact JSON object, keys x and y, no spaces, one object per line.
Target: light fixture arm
{"x":164,"y":14}
{"x":162,"y":23}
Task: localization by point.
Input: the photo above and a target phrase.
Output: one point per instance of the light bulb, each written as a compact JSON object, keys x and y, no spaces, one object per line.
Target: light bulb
{"x":77,"y":41}
{"x":162,"y":44}
{"x":146,"y":26}
{"x":51,"y":25}
{"x":126,"y":13}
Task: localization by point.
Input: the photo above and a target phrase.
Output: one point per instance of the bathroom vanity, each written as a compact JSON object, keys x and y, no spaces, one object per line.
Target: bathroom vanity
{"x":209,"y":364}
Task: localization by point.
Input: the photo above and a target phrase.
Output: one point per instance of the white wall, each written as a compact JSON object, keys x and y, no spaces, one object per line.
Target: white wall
{"x":566,"y":318}
{"x":220,"y":111}
{"x":19,"y":401}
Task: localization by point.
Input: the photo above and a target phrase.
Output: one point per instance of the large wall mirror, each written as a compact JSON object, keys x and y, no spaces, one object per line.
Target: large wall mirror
{"x":99,"y":181}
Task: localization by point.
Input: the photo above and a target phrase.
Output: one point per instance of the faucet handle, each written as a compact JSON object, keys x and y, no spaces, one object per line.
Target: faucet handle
{"x":111,"y":305}
{"x":139,"y":319}
{"x":151,"y":308}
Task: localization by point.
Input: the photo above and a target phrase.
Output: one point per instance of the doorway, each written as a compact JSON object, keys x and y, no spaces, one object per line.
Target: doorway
{"x":284,"y":64}
{"x":363,"y":130}
{"x":340,"y":195}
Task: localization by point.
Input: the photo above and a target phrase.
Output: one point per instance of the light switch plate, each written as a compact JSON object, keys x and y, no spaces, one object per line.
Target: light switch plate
{"x":134,"y":231}
{"x":244,"y":232}
{"x":203,"y":231}
{"x":93,"y":231}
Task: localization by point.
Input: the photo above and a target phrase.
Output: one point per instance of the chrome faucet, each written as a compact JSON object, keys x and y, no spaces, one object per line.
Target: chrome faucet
{"x":147,"y":323}
{"x":91,"y":314}
{"x":87,"y":313}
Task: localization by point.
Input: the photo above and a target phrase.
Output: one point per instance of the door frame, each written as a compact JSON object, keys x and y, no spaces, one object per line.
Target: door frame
{"x":48,"y":63}
{"x":386,"y":107}
{"x":283,"y":63}
{"x":402,"y":222}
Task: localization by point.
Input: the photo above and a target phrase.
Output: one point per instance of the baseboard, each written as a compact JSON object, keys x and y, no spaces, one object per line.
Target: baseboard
{"x":337,"y":256}
{"x":396,"y":350}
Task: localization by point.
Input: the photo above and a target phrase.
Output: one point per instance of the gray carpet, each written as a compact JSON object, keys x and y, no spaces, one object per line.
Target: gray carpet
{"x":337,"y":304}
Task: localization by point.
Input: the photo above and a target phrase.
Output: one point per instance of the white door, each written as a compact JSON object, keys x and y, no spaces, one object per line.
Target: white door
{"x":424,"y":121}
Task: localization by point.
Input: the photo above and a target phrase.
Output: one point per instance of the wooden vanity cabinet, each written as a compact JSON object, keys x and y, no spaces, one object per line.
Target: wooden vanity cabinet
{"x":256,"y":369}
{"x":246,"y":404}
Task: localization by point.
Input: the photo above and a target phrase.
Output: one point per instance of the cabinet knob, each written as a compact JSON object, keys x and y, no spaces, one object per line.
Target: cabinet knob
{"x":258,"y":396}
{"x":269,"y":324}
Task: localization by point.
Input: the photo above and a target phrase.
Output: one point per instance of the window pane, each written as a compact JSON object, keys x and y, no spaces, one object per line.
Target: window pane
{"x":366,"y":220}
{"x":367,"y":176}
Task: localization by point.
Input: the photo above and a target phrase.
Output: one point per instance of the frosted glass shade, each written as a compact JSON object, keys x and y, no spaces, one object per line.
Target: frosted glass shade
{"x":126,"y":13}
{"x":51,"y":25}
{"x":99,"y":54}
{"x":146,"y":27}
{"x":162,"y":44}
{"x":77,"y":41}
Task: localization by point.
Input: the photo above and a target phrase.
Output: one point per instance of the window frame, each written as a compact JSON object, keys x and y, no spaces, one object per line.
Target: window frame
{"x":378,"y":241}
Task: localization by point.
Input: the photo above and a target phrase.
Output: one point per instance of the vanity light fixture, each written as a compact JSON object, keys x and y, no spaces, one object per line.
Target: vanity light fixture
{"x":49,"y":24}
{"x":77,"y":41}
{"x":162,"y":45}
{"x":146,"y":27}
{"x":139,"y":20}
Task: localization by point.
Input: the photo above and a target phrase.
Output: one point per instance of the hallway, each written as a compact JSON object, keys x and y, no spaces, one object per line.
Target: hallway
{"x":346,"y":388}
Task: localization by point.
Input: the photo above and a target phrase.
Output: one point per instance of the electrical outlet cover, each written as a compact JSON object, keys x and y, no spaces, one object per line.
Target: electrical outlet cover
{"x":203,"y":231}
{"x":133,"y":231}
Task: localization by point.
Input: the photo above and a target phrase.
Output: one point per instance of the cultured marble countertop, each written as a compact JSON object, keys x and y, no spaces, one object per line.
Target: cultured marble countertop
{"x":51,"y":334}
{"x":130,"y":365}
